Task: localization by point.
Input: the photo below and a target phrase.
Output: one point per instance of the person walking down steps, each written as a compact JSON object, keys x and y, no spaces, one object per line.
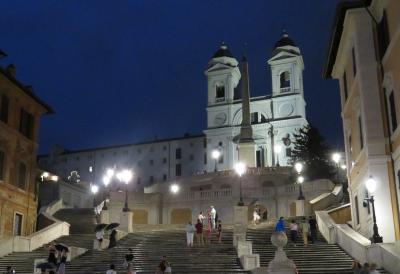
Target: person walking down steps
{"x":189,"y":234}
{"x":280,"y":225}
{"x":199,"y":233}
{"x":305,"y":230}
{"x":294,"y":229}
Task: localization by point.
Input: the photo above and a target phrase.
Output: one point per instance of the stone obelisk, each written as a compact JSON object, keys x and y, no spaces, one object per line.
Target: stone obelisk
{"x":246,"y":144}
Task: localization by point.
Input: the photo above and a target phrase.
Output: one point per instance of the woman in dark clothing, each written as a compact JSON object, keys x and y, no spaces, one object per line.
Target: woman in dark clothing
{"x":113,"y":239}
{"x":52,"y":255}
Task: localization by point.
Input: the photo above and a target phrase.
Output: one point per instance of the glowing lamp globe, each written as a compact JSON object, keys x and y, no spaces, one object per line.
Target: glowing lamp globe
{"x":106,"y":180}
{"x":94,"y":189}
{"x":240,"y":168}
{"x":300,"y":179}
{"x":174,"y":188}
{"x":215,"y":154}
{"x":298,"y":167}
{"x":336,"y":157}
{"x":371,"y":184}
{"x":277,"y":149}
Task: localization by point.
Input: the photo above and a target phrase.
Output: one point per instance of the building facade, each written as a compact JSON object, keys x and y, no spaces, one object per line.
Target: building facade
{"x":20,"y":112}
{"x":364,"y":57}
{"x":274,"y":119}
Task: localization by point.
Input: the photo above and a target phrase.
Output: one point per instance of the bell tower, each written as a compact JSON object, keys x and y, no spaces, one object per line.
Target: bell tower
{"x":286,"y":67}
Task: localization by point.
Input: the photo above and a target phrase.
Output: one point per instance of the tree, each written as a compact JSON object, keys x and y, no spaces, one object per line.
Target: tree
{"x":311,"y":149}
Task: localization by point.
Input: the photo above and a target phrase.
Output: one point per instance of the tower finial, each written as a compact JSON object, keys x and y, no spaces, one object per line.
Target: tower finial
{"x":285,"y":33}
{"x":223,"y":45}
{"x":244,"y":58}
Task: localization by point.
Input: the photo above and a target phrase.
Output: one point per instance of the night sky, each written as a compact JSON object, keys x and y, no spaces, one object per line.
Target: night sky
{"x":125,"y":71}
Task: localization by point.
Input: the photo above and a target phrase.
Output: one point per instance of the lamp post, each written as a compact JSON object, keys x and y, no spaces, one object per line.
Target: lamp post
{"x":277,"y":150}
{"x":371,"y":185}
{"x":94,"y":189}
{"x":215,"y":154}
{"x":300,"y":180}
{"x":106,"y":182}
{"x":125,"y":176}
{"x":240,"y":169}
{"x":336,"y":159}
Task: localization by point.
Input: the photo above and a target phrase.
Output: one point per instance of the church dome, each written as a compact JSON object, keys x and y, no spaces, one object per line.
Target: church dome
{"x":223,"y":51}
{"x":285,"y":41}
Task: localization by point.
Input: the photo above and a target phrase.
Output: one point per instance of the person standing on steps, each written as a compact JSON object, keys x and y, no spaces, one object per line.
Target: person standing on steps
{"x":219,"y":235}
{"x":189,"y":234}
{"x":199,"y":233}
{"x":111,"y":270}
{"x":9,"y":270}
{"x":372,"y":269}
{"x":305,"y":230}
{"x":294,"y":229}
{"x":356,"y":267}
{"x":113,"y":239}
{"x":365,"y":269}
{"x":99,"y":237}
{"x":164,"y":266}
{"x":213,"y":214}
{"x":63,"y":261}
{"x":207,"y":234}
{"x":201,"y":217}
{"x":256,"y":217}
{"x":280,"y":225}
{"x":313,"y":229}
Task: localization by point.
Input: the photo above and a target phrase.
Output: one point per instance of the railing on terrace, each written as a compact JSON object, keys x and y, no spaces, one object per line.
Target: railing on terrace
{"x":203,"y":195}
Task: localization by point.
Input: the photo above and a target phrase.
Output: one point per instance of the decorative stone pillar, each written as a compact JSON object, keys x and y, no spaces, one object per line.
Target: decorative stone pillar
{"x":300,"y":211}
{"x":125,"y":223}
{"x":240,"y":221}
{"x":281,"y":264}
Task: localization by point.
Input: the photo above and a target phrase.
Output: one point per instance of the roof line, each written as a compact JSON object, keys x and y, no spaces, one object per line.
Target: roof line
{"x":48,"y":108}
{"x":68,"y":151}
{"x":336,"y":33}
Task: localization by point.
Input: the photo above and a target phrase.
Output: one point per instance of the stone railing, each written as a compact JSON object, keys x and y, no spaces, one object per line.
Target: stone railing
{"x":385,"y":255}
{"x":203,"y":195}
{"x":53,"y":207}
{"x":35,"y":240}
{"x":325,"y":200}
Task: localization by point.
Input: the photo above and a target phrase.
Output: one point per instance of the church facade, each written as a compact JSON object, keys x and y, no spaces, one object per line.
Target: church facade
{"x":274,"y":119}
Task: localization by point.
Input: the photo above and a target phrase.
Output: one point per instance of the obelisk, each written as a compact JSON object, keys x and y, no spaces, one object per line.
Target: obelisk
{"x":246,"y":144}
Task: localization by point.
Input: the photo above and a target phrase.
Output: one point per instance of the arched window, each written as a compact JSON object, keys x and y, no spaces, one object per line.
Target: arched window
{"x":285,"y":81}
{"x":220,"y":93}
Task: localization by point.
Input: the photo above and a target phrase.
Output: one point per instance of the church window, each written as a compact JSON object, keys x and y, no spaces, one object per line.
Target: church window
{"x":254,"y":118}
{"x":164,"y":160}
{"x":178,"y":153}
{"x":383,"y":35}
{"x":392,"y":112}
{"x":263,"y":119}
{"x":151,"y":179}
{"x":191,"y":157}
{"x":178,"y":170}
{"x":205,"y":158}
{"x":353,"y":56}
{"x":151,"y":162}
{"x":288,"y":152}
{"x":220,"y":93}
{"x":205,"y":143}
{"x":164,"y":177}
{"x":285,"y":81}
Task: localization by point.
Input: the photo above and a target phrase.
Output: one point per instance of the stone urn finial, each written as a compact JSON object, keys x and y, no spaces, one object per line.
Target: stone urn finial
{"x":281,"y":264}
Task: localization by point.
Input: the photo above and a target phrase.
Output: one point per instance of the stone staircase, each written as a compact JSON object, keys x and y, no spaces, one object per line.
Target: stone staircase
{"x":317,"y":258}
{"x":23,"y":262}
{"x":82,"y":220}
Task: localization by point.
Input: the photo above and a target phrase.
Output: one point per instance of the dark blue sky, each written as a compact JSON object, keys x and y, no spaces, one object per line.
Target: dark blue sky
{"x":124,"y":71}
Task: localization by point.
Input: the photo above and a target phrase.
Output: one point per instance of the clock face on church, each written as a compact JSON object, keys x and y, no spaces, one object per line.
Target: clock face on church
{"x":220,"y":119}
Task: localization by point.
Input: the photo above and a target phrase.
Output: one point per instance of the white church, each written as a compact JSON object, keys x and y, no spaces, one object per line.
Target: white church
{"x":274,"y":118}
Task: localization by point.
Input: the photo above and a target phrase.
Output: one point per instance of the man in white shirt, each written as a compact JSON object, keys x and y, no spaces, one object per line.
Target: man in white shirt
{"x":213,"y":214}
{"x":201,"y":217}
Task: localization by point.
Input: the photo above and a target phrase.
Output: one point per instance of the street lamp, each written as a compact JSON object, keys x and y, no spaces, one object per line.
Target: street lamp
{"x":125,"y":176}
{"x":298,"y":167}
{"x":174,"y":188}
{"x":336,"y":159}
{"x":300,"y":181}
{"x":94,"y":189}
{"x":106,"y":182}
{"x":278,"y":150}
{"x":371,"y":185}
{"x":240,"y":169}
{"x":215,"y":154}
